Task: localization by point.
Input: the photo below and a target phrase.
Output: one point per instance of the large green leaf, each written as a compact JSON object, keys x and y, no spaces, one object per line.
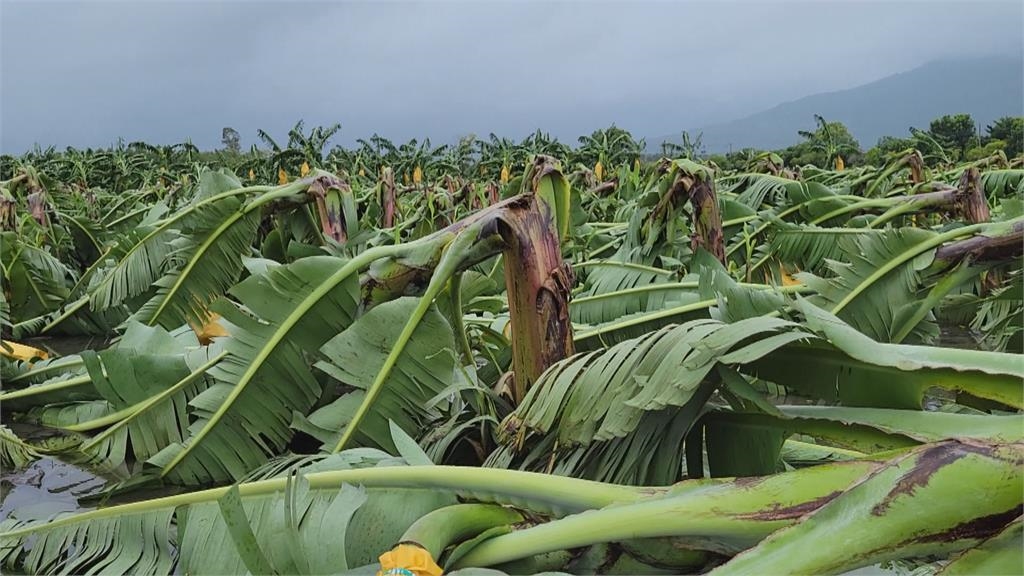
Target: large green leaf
{"x":617,"y":397}
{"x":203,"y":265}
{"x":425,"y":367}
{"x":35,"y":281}
{"x":146,"y":253}
{"x":877,"y":301}
{"x":608,"y":306}
{"x":15,"y":453}
{"x":244,"y":417}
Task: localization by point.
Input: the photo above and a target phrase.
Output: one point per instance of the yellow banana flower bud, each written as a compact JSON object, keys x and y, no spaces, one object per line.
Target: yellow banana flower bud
{"x":21,"y":352}
{"x":210,"y":329}
{"x":840,"y":165}
{"x":408,"y":560}
{"x":362,"y":172}
{"x":417,"y":175}
{"x":599,"y":171}
{"x":304,"y":169}
{"x":252,"y":174}
{"x":504,"y":175}
{"x":282,"y":176}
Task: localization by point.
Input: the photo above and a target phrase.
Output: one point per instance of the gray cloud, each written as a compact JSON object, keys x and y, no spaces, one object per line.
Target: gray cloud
{"x":86,"y":73}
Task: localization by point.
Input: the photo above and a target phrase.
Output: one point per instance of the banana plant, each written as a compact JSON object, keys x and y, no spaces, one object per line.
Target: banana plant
{"x":278,"y":520}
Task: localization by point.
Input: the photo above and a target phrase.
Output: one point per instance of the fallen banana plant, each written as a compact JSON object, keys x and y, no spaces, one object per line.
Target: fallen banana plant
{"x":762,"y":521}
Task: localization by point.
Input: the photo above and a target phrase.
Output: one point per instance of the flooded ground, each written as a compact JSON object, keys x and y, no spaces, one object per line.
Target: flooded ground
{"x":44,"y":488}
{"x":951,"y":336}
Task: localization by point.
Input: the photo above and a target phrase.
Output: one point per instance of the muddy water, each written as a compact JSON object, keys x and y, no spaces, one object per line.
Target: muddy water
{"x":44,"y":488}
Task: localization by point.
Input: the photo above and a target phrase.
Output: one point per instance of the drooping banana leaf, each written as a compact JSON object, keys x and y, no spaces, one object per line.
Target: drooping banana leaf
{"x":599,"y":397}
{"x":605,"y":307}
{"x":871,"y":368}
{"x":15,"y":453}
{"x":874,"y":303}
{"x":604,"y":276}
{"x":202,"y":265}
{"x":813,"y":249}
{"x":146,"y":253}
{"x":35,"y":281}
{"x":244,"y":417}
{"x":354,"y":358}
{"x":731,"y":436}
{"x":596,"y":397}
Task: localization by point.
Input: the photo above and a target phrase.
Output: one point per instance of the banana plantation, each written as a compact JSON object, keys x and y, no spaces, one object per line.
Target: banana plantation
{"x":511,"y":357}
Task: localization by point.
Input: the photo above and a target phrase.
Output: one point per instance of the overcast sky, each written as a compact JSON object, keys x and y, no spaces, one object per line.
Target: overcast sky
{"x":85,"y":73}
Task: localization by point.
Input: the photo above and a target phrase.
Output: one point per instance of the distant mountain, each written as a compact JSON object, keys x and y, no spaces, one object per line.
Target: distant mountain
{"x":987,"y":88}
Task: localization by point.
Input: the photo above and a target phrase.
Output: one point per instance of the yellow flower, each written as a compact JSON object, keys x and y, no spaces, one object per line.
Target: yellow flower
{"x":599,"y":171}
{"x":304,"y":170}
{"x":252,"y":174}
{"x":282,"y":176}
{"x":788,"y":280}
{"x":840,"y":165}
{"x":636,"y":165}
{"x":504,"y":175}
{"x":406,"y":559}
{"x":210,"y":329}
{"x":21,"y":352}
{"x":417,"y":175}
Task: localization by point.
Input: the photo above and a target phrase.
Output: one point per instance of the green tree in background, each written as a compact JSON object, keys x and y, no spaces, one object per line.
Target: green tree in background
{"x":1009,"y":129}
{"x":887,"y":145}
{"x":830,"y":145}
{"x":955,"y":132}
{"x":231,"y":140}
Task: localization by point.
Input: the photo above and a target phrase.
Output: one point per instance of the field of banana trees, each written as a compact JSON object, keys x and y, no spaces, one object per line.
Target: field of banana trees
{"x":512,"y":357}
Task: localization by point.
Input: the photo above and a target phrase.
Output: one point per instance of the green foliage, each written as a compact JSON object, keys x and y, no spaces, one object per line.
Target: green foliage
{"x":257,"y":326}
{"x":955,"y":132}
{"x":1009,"y":129}
{"x":829,"y":141}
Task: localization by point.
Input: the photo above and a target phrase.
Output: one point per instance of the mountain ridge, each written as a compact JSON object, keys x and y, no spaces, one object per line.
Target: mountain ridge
{"x":985,"y":87}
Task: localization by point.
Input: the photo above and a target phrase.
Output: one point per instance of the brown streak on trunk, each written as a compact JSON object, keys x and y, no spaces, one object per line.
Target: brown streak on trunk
{"x":984,"y":248}
{"x":524,"y":229}
{"x":975,"y":529}
{"x":776,"y":512}
{"x":707,"y":218}
{"x":603,"y":188}
{"x":916,"y":164}
{"x":331,"y":221}
{"x":390,"y":199}
{"x":538,"y":284}
{"x":493,"y":194}
{"x":37,"y":207}
{"x":970,"y":198}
